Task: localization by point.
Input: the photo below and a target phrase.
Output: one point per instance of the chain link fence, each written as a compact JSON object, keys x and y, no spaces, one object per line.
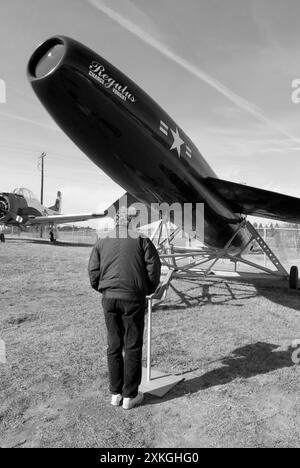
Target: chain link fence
{"x":284,"y":242}
{"x":74,"y":235}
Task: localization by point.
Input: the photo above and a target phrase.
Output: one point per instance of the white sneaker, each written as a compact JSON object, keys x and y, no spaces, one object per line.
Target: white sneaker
{"x":116,"y":400}
{"x":129,"y":403}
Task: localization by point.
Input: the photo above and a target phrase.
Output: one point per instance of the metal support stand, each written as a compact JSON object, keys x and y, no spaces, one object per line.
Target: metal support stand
{"x":149,"y":340}
{"x":153,"y":381}
{"x":170,"y":255}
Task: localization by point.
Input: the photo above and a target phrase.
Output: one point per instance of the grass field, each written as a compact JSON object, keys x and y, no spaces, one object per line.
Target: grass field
{"x":230,"y":340}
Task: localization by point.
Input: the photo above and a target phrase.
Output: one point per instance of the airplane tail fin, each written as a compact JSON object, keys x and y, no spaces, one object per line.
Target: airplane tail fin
{"x":57,"y":205}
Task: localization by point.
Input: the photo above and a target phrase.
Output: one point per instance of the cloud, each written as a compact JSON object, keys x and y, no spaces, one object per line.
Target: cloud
{"x":239,"y":101}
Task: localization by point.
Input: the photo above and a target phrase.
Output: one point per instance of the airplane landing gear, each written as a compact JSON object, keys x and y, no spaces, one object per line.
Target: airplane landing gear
{"x":2,"y":237}
{"x":294,"y":277}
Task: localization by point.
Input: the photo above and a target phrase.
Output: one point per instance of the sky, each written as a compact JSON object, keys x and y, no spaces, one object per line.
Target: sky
{"x":222,"y":70}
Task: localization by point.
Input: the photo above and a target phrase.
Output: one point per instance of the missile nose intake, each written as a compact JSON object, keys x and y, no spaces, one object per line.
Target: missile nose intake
{"x":46,"y":58}
{"x":49,"y":61}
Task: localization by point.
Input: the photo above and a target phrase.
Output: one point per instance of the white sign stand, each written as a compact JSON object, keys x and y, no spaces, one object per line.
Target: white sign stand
{"x":153,"y":381}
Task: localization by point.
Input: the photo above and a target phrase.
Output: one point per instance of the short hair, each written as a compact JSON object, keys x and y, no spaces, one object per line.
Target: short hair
{"x":122,"y":218}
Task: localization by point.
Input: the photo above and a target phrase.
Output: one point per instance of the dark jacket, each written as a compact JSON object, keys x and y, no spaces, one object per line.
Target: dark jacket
{"x":124,"y":267}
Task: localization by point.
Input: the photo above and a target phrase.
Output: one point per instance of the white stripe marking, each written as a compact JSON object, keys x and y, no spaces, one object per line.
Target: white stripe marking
{"x":162,"y":124}
{"x":188,"y":152}
{"x":163,"y":128}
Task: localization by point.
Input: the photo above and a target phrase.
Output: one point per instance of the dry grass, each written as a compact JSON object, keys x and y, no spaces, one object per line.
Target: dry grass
{"x":232,"y":341}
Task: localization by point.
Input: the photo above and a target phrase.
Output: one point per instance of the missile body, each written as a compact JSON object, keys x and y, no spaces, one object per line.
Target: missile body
{"x":126,"y":133}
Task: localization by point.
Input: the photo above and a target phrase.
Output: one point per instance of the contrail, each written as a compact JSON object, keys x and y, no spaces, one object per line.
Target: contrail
{"x":30,"y":121}
{"x":202,"y":75}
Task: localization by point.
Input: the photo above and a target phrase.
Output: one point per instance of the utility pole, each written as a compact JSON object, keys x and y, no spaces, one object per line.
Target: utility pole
{"x":41,"y":165}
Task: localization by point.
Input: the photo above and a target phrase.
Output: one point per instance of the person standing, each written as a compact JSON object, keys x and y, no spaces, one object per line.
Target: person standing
{"x":125,"y":267}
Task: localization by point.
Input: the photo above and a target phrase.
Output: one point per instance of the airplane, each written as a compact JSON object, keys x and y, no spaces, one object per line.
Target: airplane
{"x":129,"y":136}
{"x":21,"y":208}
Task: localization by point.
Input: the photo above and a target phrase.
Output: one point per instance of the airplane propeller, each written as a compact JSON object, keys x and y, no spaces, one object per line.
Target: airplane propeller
{"x":4,"y":213}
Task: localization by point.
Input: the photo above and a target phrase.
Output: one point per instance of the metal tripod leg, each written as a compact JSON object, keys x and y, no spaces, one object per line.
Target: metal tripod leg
{"x":266,"y":249}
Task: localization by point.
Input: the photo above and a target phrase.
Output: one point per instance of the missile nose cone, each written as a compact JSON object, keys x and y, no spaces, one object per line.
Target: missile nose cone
{"x":46,"y":58}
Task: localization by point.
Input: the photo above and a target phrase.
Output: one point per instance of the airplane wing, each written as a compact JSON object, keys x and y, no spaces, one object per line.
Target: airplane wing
{"x":64,"y":219}
{"x":257,"y":202}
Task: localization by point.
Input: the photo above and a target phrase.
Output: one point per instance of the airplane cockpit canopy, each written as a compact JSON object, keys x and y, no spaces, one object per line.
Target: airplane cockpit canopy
{"x":26,"y":193}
